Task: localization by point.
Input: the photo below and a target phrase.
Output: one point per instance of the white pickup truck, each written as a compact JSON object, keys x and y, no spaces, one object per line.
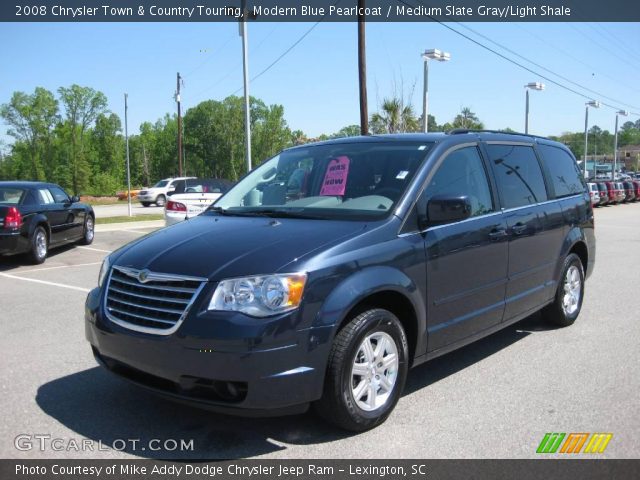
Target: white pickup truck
{"x":160,"y":191}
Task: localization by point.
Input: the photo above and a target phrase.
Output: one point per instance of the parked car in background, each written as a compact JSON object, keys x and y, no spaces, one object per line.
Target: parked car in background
{"x":36,"y":216}
{"x":594,"y":193}
{"x":192,"y":197}
{"x":332,"y":268}
{"x":629,"y":191}
{"x":620,"y":193}
{"x":160,"y":191}
{"x":612,"y":192}
{"x":604,"y":193}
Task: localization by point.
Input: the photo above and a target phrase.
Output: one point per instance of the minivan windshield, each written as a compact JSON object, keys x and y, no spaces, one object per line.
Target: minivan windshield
{"x":161,"y":184}
{"x":350,"y":181}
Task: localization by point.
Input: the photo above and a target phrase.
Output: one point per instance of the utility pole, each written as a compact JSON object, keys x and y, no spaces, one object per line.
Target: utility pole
{"x":362,"y":71}
{"x":178,"y":82}
{"x":126,"y":135}
{"x":245,"y":73}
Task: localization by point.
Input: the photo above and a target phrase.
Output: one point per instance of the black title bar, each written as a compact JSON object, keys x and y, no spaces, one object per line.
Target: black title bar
{"x":320,"y":10}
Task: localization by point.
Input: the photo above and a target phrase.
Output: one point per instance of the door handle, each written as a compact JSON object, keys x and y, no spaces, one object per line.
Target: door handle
{"x":497,"y":234}
{"x":519,"y":229}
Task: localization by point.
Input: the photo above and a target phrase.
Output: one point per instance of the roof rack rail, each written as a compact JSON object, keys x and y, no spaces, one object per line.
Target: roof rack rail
{"x":457,"y":131}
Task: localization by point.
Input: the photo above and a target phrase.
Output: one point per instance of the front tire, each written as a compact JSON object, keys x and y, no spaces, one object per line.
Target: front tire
{"x":366,"y":373}
{"x":145,"y":204}
{"x":39,"y":246}
{"x":161,"y":200}
{"x":89,"y":231}
{"x":568,"y":300}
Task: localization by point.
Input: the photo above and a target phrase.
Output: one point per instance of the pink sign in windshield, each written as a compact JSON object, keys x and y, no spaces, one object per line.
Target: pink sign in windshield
{"x":335,"y":180}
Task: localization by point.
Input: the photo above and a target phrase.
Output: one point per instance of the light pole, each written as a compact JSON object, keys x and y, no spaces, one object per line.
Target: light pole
{"x":245,"y":75}
{"x":594,"y":104}
{"x":624,"y":113}
{"x":530,"y":86}
{"x":433,"y":54}
{"x":126,"y":135}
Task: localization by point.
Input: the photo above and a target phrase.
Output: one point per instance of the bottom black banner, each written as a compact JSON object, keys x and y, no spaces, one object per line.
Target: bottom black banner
{"x":319,"y":469}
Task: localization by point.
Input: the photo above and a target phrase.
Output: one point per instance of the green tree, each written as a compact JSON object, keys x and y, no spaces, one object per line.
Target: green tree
{"x":467,"y":119}
{"x":82,"y":106}
{"x":348,"y":131}
{"x":394,"y":116}
{"x":31,"y":120}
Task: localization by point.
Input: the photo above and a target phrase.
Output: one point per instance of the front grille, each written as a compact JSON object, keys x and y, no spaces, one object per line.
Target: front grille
{"x":149,"y":302}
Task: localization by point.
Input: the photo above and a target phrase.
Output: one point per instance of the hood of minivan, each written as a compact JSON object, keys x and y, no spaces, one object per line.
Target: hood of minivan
{"x":217,"y":247}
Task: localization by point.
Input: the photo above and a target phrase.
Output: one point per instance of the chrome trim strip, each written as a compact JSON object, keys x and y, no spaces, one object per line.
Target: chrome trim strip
{"x":145,"y":307}
{"x":158,"y":277}
{"x":144,"y":317}
{"x":155,"y":287}
{"x":151,"y":297}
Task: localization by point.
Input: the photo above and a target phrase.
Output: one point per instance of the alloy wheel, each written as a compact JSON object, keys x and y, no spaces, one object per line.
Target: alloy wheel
{"x":374,"y":371}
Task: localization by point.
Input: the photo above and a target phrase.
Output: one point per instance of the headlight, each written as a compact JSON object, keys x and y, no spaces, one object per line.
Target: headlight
{"x":104,"y":270}
{"x":260,"y":296}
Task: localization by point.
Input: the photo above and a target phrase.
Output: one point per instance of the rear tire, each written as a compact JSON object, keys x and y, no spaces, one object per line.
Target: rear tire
{"x":366,"y":371}
{"x":89,"y":231}
{"x":39,"y":246}
{"x":568,"y":300}
{"x":161,"y":200}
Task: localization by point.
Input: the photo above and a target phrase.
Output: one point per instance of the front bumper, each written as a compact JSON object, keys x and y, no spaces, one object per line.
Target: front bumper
{"x":147,"y":197}
{"x":234,"y":364}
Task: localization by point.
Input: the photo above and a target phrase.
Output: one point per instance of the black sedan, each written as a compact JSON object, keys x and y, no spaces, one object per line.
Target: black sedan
{"x":36,"y":216}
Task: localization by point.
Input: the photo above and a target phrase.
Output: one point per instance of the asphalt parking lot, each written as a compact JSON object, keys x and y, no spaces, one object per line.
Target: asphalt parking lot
{"x":493,"y":399}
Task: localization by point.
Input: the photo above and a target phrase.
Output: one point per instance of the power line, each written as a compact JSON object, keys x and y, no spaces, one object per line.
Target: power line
{"x":582,"y":62}
{"x":283,"y":54}
{"x":544,"y":68}
{"x":510,"y":60}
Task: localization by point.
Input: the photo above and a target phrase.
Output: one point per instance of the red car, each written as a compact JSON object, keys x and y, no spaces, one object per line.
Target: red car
{"x":636,"y":184}
{"x":612,"y":191}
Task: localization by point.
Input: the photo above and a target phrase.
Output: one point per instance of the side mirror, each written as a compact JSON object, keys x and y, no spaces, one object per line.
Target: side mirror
{"x":170,"y":192}
{"x":75,"y":199}
{"x":443,"y":209}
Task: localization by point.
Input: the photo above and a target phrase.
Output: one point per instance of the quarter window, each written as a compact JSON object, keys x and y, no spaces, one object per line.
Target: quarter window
{"x":566,"y":178}
{"x":462,"y":173}
{"x":518,"y":174}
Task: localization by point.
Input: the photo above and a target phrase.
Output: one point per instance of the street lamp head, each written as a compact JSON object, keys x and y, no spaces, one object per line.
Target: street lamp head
{"x":535,"y":86}
{"x":593,"y":103}
{"x":435,"y":54}
{"x":624,"y":113}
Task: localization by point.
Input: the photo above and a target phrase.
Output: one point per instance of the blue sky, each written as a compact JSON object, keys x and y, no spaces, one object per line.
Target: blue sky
{"x":317,"y":81}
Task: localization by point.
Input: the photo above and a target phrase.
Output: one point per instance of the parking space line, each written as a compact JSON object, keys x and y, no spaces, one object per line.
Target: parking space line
{"x":43,"y":282}
{"x":60,"y":266}
{"x":96,"y":249}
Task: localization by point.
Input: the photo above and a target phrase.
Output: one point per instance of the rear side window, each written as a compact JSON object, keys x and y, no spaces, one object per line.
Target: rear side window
{"x":10,"y":195}
{"x":462,"y":173}
{"x":566,"y":178}
{"x":518,"y":175}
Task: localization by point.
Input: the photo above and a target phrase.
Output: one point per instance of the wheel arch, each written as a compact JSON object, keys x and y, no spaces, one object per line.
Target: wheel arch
{"x":378,"y":287}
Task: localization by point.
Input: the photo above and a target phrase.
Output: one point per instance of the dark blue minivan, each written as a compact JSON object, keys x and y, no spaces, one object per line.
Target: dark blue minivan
{"x":330,"y":269}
